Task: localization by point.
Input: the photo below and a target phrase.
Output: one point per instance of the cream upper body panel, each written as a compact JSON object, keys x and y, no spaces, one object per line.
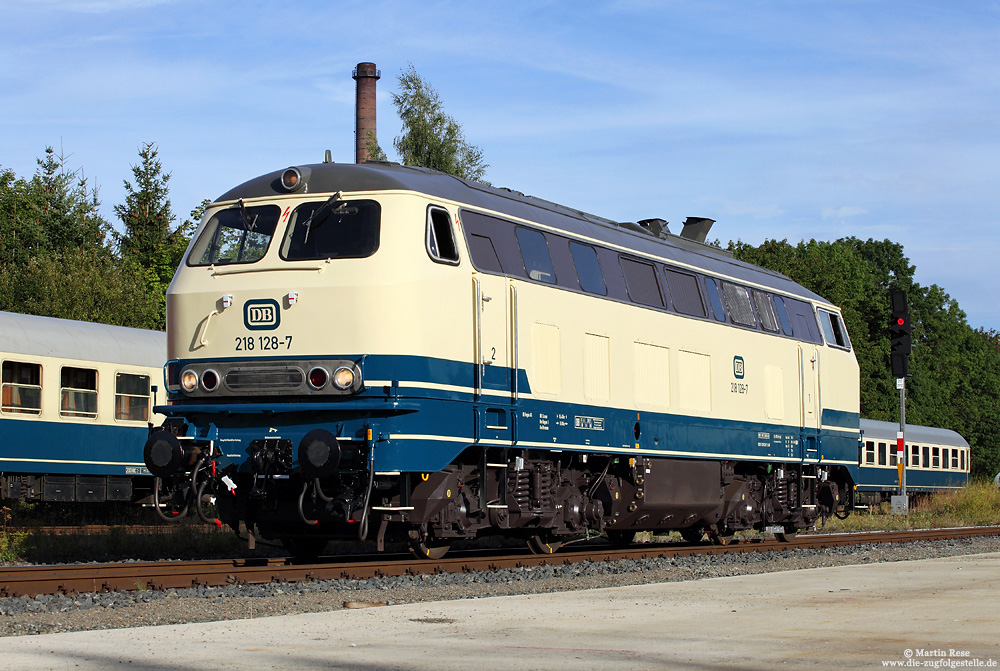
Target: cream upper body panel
{"x":395,"y":301}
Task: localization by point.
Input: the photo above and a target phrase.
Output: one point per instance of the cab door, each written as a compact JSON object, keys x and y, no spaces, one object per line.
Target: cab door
{"x":494,"y":315}
{"x":810,"y":410}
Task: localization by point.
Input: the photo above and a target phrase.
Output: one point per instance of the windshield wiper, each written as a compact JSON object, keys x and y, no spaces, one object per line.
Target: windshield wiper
{"x":248,"y":223}
{"x":322,"y":208}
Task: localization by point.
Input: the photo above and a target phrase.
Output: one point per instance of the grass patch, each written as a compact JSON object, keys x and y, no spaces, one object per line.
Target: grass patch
{"x":978,"y":504}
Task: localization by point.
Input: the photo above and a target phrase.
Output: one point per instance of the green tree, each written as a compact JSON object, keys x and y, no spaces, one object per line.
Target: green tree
{"x":149,"y":242}
{"x":430,"y":138}
{"x":954,"y":371}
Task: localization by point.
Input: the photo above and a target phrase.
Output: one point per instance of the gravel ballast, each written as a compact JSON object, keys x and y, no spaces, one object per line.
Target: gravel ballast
{"x":61,"y":613}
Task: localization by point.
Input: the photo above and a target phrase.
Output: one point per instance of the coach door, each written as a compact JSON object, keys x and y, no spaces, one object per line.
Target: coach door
{"x":496,"y":352}
{"x":810,"y":401}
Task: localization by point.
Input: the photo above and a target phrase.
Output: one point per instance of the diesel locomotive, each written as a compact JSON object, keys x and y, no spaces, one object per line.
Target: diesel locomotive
{"x":392,"y":353}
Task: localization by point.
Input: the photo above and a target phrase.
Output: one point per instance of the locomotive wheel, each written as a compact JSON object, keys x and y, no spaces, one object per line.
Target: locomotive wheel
{"x":304,"y":547}
{"x":721,"y":536}
{"x":429,"y":549}
{"x":788,"y":536}
{"x":543,"y":544}
{"x":620,"y":538}
{"x":692,"y":535}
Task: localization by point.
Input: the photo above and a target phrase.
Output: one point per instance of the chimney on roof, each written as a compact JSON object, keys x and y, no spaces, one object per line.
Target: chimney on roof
{"x":365,"y":74}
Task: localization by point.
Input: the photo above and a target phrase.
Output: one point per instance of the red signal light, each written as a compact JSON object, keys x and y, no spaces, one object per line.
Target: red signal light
{"x":901,"y":321}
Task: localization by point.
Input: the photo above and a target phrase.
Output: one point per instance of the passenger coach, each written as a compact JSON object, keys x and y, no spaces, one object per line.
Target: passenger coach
{"x":936,"y":460}
{"x":76,"y":409}
{"x":382,"y":351}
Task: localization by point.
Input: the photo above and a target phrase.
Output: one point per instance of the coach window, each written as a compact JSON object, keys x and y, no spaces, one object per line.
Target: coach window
{"x":718,"y":311}
{"x":22,"y":388}
{"x":78,"y":392}
{"x":870,"y":452}
{"x":786,"y":324}
{"x":936,"y":461}
{"x":892,"y":455}
{"x":833,"y":330}
{"x":640,"y":280}
{"x":440,"y":236}
{"x":685,"y":294}
{"x":914,"y":455}
{"x":236,"y":234}
{"x":926,"y":461}
{"x":535,"y":254}
{"x":882,"y":454}
{"x":588,"y":269}
{"x":737,"y":300}
{"x":954,"y":458}
{"x":132,"y":397}
{"x":332,"y":229}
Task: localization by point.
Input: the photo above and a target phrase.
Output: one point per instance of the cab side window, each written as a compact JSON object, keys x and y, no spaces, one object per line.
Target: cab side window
{"x":440,"y":236}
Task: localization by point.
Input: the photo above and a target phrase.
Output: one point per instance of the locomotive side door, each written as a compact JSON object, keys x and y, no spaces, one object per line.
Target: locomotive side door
{"x":494,"y":352}
{"x":810,"y":402}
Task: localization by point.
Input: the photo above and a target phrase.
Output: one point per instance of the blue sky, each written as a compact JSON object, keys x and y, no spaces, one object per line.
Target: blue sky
{"x":786,"y":120}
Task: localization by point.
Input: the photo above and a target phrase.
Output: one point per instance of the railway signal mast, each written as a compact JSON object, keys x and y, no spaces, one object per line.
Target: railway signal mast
{"x":899,"y":361}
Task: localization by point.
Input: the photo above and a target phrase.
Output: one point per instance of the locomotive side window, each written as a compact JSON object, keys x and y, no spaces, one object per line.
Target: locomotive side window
{"x":588,"y":268}
{"x":718,"y":310}
{"x":332,"y":229}
{"x":685,"y":294}
{"x":235,"y":235}
{"x":440,"y":236}
{"x":833,"y":330}
{"x":640,"y":278}
{"x":484,"y":254}
{"x":803,"y":320}
{"x":22,"y":388}
{"x":132,"y":397}
{"x":737,"y":300}
{"x":78,"y":392}
{"x":492,"y":244}
{"x":786,"y":325}
{"x":535,"y":255}
{"x":765,"y":310}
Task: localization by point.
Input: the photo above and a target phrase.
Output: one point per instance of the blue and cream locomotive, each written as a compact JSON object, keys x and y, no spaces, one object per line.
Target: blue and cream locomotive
{"x":393,"y":353}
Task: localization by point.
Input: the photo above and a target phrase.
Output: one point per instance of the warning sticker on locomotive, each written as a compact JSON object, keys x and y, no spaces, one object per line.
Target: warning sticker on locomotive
{"x":591,"y":423}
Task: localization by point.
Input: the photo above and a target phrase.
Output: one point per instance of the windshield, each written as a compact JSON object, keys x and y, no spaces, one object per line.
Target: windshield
{"x":235,"y":235}
{"x":333,"y":229}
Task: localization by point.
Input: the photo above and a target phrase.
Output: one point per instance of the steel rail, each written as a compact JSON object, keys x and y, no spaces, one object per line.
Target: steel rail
{"x":165,"y":575}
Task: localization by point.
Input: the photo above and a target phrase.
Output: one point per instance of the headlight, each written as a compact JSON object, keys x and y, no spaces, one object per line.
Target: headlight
{"x":343,"y":378}
{"x":189,"y":380}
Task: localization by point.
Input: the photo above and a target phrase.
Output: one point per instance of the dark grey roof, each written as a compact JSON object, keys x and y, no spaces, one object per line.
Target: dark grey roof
{"x":915,"y":433}
{"x":325,"y":178}
{"x":84,"y":341}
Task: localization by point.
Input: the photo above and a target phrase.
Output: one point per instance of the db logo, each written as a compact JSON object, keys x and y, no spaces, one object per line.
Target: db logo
{"x":261,"y":315}
{"x":738,"y":367}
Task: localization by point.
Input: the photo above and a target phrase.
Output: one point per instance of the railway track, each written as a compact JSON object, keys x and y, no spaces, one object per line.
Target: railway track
{"x":86,"y":578}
